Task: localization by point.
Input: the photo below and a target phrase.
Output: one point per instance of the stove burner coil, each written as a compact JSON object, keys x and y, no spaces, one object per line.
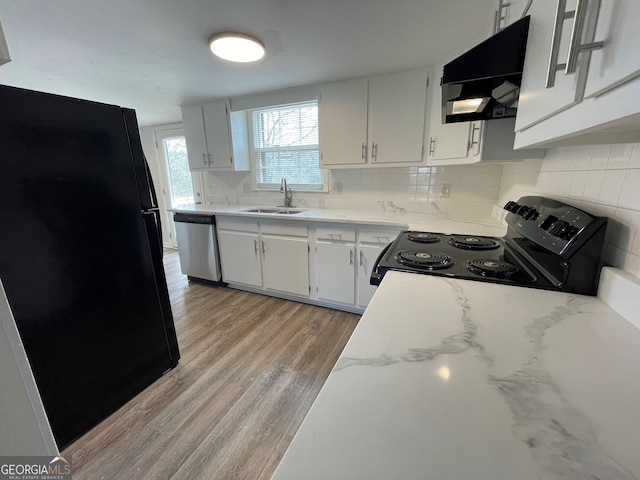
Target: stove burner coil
{"x":422,"y":237}
{"x":473,"y":243}
{"x":491,"y":268}
{"x":424,"y":260}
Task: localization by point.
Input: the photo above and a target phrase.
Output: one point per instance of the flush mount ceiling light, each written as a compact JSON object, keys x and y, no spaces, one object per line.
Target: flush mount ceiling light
{"x":236,"y":47}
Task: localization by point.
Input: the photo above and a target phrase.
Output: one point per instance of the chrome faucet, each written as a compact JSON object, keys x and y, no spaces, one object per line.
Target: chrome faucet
{"x":288,"y":196}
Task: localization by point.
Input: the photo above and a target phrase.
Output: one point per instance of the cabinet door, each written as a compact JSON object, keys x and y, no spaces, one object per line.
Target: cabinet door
{"x":367,"y":256}
{"x":397,"y":105}
{"x":342,"y":120}
{"x":285,"y":264}
{"x":619,"y":60}
{"x":240,"y":257}
{"x":536,"y":101}
{"x":448,"y":142}
{"x":216,"y":121}
{"x":195,"y":137}
{"x":336,"y":272}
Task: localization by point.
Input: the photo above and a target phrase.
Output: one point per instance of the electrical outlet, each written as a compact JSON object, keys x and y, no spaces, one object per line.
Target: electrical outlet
{"x":336,"y":187}
{"x":246,"y":188}
{"x":445,"y":190}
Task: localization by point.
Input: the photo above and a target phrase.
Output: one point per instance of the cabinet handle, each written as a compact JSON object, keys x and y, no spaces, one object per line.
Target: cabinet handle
{"x":499,"y":17}
{"x":364,"y":151}
{"x":255,"y":244}
{"x":432,"y":145}
{"x":575,"y":47}
{"x":204,"y":158}
{"x":209,"y":157}
{"x":475,"y":128}
{"x":264,"y":247}
{"x":374,"y":152}
{"x":361,"y":259}
{"x":350,"y":257}
{"x":561,"y":16}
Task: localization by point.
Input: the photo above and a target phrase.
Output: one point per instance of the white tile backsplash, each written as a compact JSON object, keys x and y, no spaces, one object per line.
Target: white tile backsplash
{"x":475,"y":183}
{"x":603,"y":179}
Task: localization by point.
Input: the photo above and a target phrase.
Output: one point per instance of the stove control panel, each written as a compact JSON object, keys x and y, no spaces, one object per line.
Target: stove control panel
{"x":554,"y":225}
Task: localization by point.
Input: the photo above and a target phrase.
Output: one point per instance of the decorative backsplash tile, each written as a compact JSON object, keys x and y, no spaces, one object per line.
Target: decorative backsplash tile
{"x":603,"y":179}
{"x":472,"y":183}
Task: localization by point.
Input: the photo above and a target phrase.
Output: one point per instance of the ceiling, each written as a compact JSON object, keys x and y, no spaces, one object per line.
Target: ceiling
{"x":152,"y":55}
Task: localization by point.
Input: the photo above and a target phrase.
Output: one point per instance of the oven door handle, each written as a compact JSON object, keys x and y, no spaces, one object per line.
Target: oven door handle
{"x":376,"y":277}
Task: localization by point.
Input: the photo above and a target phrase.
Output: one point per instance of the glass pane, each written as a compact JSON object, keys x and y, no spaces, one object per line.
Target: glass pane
{"x":286,"y":145}
{"x":179,"y":175}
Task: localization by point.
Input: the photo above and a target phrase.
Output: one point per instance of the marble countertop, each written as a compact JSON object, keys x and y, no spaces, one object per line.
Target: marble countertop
{"x":456,"y":379}
{"x":427,"y":218}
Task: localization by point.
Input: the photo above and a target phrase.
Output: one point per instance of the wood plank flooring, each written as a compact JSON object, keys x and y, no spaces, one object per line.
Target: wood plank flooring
{"x":251,"y":367}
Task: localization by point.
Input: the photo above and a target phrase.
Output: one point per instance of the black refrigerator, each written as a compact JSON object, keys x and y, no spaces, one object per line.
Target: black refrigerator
{"x":81,"y":255}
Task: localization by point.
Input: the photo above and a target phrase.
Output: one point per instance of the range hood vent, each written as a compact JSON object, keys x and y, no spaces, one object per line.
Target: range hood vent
{"x":484,"y":83}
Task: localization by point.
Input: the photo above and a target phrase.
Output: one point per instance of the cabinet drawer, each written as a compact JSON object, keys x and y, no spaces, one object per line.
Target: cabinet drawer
{"x":381,"y":237}
{"x":237,"y":223}
{"x":292,"y":228}
{"x":338,"y":233}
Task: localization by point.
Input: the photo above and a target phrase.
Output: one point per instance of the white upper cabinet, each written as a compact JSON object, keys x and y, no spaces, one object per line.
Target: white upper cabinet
{"x":396,"y":117}
{"x":342,"y":116}
{"x":216,"y":138}
{"x":588,"y":96}
{"x":619,"y":59}
{"x":376,"y":121}
{"x":216,"y":122}
{"x":546,"y":90}
{"x":197,"y":151}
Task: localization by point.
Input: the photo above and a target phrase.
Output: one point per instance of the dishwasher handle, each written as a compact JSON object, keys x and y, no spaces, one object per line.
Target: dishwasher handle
{"x":192,"y":218}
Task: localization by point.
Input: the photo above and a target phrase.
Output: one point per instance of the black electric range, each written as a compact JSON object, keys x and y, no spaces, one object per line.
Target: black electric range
{"x":548,"y":244}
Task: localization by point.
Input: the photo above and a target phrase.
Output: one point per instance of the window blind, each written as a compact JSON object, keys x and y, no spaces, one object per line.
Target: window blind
{"x":285,"y":145}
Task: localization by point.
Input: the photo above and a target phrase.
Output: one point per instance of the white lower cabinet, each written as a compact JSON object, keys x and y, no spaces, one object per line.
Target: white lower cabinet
{"x":367,"y":256}
{"x":371,"y":242}
{"x":267,"y":254}
{"x":240,"y":257}
{"x":317,"y":262}
{"x":335,"y":254}
{"x":285,"y":264}
{"x":336,"y":272}
{"x":344,"y":259}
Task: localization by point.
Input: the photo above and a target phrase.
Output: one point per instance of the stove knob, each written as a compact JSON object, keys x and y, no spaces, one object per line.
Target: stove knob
{"x":522,"y":211}
{"x":532,"y":214}
{"x":568,"y":232}
{"x":547,"y":222}
{"x":512,"y":207}
{"x":558,"y":228}
{"x":509,"y":205}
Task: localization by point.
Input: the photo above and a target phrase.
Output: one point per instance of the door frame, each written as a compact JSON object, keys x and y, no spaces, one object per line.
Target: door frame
{"x":160,"y":133}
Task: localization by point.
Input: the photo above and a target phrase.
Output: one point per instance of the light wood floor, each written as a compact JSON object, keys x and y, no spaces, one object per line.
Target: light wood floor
{"x":251,"y":367}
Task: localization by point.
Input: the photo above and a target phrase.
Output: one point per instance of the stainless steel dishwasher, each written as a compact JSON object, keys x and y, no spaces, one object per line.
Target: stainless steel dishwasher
{"x":198,"y":246}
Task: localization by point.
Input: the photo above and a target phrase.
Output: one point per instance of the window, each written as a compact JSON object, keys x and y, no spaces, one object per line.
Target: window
{"x":285,"y":144}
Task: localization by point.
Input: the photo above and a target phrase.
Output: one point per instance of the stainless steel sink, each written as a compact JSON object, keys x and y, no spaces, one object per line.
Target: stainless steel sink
{"x":275,"y":210}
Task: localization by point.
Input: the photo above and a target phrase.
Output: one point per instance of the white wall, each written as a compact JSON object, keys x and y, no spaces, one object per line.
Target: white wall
{"x":24,"y":429}
{"x":604,"y":179}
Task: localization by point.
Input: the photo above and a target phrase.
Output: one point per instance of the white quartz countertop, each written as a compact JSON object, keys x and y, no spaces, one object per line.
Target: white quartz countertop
{"x":430,"y":219}
{"x":455,"y":379}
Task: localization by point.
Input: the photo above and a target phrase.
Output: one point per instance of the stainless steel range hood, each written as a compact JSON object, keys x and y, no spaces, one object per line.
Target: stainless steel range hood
{"x":484,"y":83}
